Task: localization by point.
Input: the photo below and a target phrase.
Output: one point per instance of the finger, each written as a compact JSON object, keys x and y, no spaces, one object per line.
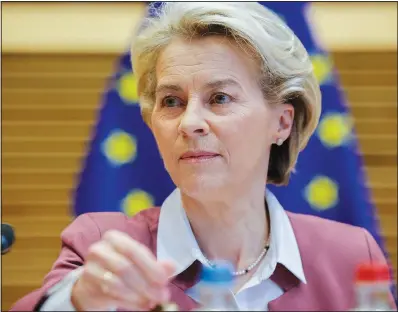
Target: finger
{"x":141,"y":304}
{"x":93,"y":277}
{"x":134,"y":302}
{"x":140,"y":285}
{"x":104,"y":255}
{"x":112,"y":291}
{"x":139,"y":255}
{"x":110,"y":260}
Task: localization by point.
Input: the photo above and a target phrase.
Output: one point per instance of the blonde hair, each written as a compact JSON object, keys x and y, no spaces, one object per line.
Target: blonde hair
{"x":286,"y":70}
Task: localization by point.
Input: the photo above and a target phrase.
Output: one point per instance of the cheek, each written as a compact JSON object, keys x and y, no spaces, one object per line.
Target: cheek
{"x":239,"y":134}
{"x":248,"y":136}
{"x":255,"y":125}
{"x":164,"y":134}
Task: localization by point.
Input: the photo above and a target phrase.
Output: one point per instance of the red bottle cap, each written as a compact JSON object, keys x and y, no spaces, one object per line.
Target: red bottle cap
{"x":372,"y":272}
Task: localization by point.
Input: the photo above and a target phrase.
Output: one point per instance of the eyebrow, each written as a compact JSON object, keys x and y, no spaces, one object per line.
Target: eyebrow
{"x":167,"y":87}
{"x":221,"y":83}
{"x":216,"y":84}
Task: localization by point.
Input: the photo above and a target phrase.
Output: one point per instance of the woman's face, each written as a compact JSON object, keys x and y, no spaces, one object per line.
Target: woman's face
{"x":213,"y":127}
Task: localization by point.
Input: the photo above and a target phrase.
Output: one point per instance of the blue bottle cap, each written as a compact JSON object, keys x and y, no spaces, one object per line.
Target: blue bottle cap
{"x":220,"y":272}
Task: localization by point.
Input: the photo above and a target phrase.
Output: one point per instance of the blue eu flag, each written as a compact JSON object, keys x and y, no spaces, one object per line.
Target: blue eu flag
{"x":124,"y":172}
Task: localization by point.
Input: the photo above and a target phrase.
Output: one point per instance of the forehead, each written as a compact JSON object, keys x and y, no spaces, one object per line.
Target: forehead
{"x":203,"y":58}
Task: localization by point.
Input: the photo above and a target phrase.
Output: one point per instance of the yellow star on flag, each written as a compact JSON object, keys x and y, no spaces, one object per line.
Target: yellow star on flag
{"x":127,"y":88}
{"x":136,"y":201}
{"x":335,"y":129}
{"x":322,"y":193}
{"x":322,"y":67}
{"x":120,"y":147}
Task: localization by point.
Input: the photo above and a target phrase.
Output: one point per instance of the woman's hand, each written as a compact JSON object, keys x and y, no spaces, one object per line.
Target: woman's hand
{"x":119,"y":272}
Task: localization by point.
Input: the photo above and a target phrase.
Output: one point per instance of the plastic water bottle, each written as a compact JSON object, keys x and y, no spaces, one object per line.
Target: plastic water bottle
{"x":215,"y":288}
{"x":373,"y":283}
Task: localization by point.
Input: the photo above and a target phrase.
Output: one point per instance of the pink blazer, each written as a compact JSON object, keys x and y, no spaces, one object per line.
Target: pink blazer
{"x":330,"y":252}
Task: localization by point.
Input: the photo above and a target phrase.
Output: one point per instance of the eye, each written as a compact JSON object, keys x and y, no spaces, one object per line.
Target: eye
{"x":220,"y":98}
{"x":171,"y":101}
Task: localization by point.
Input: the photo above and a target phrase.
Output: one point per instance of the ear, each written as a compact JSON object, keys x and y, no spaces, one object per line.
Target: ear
{"x":285,"y":113}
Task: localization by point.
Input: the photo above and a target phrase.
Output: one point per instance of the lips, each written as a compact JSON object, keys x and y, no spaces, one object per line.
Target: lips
{"x":198,"y":155}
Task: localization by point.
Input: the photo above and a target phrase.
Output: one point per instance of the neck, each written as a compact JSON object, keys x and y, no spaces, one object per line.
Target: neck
{"x":233,"y":228}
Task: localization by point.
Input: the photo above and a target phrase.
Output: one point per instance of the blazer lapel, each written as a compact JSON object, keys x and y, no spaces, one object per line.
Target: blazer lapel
{"x":181,"y":283}
{"x":290,"y":285}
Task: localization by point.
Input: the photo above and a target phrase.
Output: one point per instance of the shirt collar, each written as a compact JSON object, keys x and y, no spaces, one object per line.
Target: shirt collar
{"x":176,"y":241}
{"x":283,"y":240}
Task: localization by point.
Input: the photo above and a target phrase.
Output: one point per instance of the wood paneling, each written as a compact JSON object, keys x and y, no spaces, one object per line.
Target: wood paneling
{"x":49,"y":107}
{"x":50,"y":104}
{"x":370,"y":83}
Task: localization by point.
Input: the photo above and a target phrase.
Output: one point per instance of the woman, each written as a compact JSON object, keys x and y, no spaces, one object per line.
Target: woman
{"x":229,"y":93}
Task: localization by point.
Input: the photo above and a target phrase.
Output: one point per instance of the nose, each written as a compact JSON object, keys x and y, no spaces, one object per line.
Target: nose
{"x":193,"y":122}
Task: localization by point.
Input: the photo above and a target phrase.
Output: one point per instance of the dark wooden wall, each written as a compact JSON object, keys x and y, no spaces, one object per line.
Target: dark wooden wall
{"x":49,"y":106}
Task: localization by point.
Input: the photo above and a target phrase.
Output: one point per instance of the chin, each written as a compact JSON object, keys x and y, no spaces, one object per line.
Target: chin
{"x":202,"y":186}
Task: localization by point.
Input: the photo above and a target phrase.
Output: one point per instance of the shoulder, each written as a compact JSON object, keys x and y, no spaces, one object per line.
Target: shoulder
{"x":334,"y":239}
{"x":330,"y":253}
{"x":104,"y":221}
{"x":90,"y":227}
{"x":325,"y":228}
